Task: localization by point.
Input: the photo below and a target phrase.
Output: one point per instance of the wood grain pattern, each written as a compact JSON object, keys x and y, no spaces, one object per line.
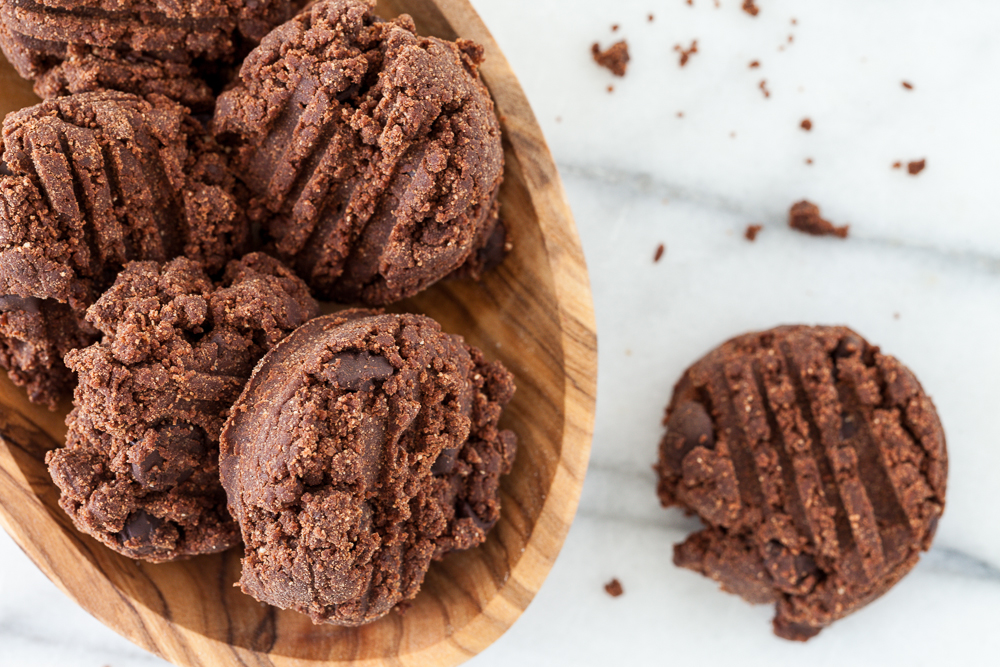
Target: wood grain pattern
{"x":534,"y":313}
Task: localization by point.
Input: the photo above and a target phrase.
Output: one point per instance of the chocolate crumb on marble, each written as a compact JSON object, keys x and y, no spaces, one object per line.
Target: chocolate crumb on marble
{"x":916,"y":167}
{"x":805,"y":217}
{"x":754,"y":64}
{"x":818,"y":465}
{"x":907,"y":85}
{"x":751,"y":232}
{"x":92,"y":181}
{"x":133,"y":46}
{"x":750,"y":8}
{"x":615,"y":58}
{"x":364,"y":447}
{"x":614,"y":588}
{"x":686,"y":53}
{"x":897,"y":165}
{"x":763,"y":88}
{"x":806,"y":124}
{"x":373,"y":155}
{"x":140,"y":467}
{"x":658,"y":255}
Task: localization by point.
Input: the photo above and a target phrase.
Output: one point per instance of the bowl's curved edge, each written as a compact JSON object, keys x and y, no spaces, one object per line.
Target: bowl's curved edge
{"x":159,"y":635}
{"x":579,"y":331}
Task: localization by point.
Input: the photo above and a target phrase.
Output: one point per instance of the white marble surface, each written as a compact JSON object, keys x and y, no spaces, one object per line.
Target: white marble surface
{"x":926,"y":248}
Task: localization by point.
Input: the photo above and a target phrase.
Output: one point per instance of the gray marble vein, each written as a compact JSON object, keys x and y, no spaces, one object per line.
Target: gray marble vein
{"x":648,"y":185}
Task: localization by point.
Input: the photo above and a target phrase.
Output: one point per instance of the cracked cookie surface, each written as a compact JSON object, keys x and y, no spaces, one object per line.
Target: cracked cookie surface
{"x":818,"y":465}
{"x":140,"y":467}
{"x":93,"y":181}
{"x":373,"y":154}
{"x":364,"y":447}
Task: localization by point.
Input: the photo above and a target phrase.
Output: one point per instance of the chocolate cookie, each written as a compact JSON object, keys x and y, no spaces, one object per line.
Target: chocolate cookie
{"x":364,"y":447}
{"x":818,"y":465}
{"x":93,"y":181}
{"x":35,"y":334}
{"x":136,"y":46}
{"x":373,"y":155}
{"x":140,"y":469}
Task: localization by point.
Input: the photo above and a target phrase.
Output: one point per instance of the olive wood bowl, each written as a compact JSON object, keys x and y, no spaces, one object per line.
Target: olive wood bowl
{"x":534,"y":313}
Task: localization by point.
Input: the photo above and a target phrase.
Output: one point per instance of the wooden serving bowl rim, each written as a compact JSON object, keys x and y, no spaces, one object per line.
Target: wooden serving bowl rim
{"x":123,"y":594}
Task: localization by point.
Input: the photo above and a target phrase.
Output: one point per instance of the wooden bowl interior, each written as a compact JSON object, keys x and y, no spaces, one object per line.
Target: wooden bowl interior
{"x":191,"y":613}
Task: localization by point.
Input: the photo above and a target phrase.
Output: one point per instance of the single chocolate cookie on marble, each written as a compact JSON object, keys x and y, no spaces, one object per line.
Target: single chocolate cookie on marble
{"x":363,"y":447}
{"x":91,"y":182}
{"x":140,"y":469}
{"x":373,"y":155}
{"x":136,"y":46}
{"x":818,"y":465}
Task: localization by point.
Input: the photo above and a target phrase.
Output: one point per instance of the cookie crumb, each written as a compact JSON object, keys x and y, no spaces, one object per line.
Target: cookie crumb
{"x":806,"y":124}
{"x":614,"y":28}
{"x":804,"y":217}
{"x":752,"y":231}
{"x":809,"y":160}
{"x":615,"y":58}
{"x":558,"y":119}
{"x":916,"y":167}
{"x":907,"y":85}
{"x":794,"y":22}
{"x":791,"y":38}
{"x":763,"y":88}
{"x":754,"y":64}
{"x":614,"y":587}
{"x":897,"y":165}
{"x":650,"y":18}
{"x":680,"y":114}
{"x":895,"y":316}
{"x":659,"y":253}
{"x":611,"y":89}
{"x":686,"y":54}
{"x":750,"y":8}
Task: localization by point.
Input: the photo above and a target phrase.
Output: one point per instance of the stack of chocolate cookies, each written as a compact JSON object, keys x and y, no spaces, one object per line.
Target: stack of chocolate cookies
{"x":161,"y":239}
